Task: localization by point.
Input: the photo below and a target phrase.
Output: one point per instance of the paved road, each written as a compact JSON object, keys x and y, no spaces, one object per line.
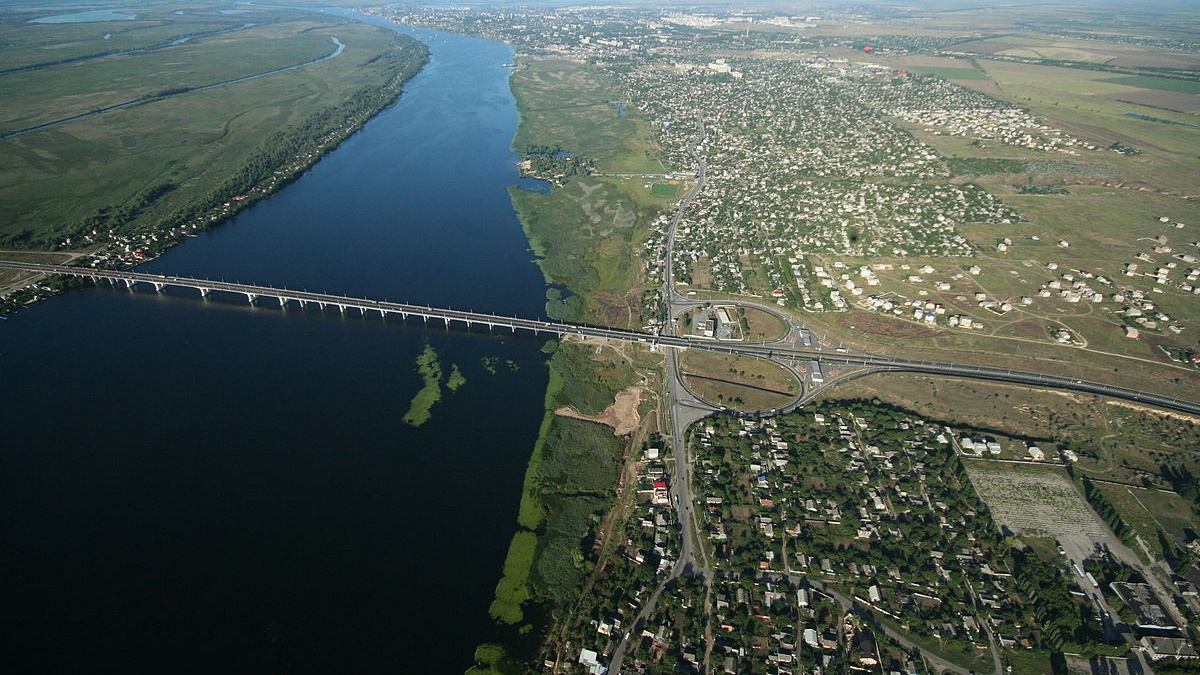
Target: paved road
{"x":683,"y":409}
{"x":769,"y":350}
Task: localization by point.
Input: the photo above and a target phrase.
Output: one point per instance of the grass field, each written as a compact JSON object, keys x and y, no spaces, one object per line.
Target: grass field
{"x":1150,"y":512}
{"x":762,"y":325}
{"x":46,"y":95}
{"x":60,"y":175}
{"x":1165,"y":84}
{"x":664,"y":190}
{"x":569,"y":104}
{"x":588,"y":230}
{"x":951,"y":73}
{"x":738,"y":382}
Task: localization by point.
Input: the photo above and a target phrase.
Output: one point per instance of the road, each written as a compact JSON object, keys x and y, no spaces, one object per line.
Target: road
{"x":769,"y":350}
{"x":683,"y":409}
{"x":933,"y":660}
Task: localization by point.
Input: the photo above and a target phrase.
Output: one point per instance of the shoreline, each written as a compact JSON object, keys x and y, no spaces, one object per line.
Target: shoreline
{"x":238,"y":191}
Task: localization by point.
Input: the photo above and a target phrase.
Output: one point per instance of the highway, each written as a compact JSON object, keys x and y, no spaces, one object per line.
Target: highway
{"x":492,"y":321}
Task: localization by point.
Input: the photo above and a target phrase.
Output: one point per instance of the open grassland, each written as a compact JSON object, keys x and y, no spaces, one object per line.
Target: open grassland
{"x":52,"y":179}
{"x":1161,"y":83}
{"x":576,"y":106}
{"x":761,"y":326}
{"x":897,"y":336}
{"x":1158,"y":519}
{"x":1084,"y":103}
{"x":587,"y":231}
{"x":46,"y":95}
{"x":738,"y":382}
{"x":1118,"y":440}
{"x":28,"y":44}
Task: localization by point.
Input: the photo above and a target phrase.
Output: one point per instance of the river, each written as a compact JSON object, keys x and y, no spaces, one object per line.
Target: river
{"x":197,"y":485}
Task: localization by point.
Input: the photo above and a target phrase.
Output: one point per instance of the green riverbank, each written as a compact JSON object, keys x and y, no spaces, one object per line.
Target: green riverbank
{"x":586,"y":232}
{"x":185,"y":163}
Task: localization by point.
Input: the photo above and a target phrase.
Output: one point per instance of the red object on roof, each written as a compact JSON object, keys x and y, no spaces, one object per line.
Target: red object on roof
{"x":660,"y":485}
{"x":868,"y":49}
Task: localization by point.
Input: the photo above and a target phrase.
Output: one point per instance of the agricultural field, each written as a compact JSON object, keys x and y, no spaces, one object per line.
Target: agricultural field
{"x":1032,"y":501}
{"x":1052,"y":48}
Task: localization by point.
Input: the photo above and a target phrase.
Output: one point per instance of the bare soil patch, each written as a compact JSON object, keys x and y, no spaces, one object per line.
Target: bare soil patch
{"x":886,"y":326}
{"x":622,"y":415}
{"x":1171,"y":100}
{"x":1157,"y":411}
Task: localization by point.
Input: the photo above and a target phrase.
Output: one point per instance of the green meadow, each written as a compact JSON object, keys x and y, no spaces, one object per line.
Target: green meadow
{"x":54,"y":179}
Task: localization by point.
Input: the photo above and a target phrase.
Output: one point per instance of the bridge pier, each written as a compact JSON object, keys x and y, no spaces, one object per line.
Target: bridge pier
{"x":282,"y":301}
{"x":129,"y":283}
{"x":204,"y":292}
{"x":250,"y":297}
{"x":158,"y":287}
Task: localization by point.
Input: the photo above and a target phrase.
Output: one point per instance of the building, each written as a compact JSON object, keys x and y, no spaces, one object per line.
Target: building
{"x":1141,"y":600}
{"x":1158,"y":648}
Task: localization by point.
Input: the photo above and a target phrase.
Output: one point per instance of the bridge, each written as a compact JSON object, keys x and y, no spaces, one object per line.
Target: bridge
{"x":470,"y":319}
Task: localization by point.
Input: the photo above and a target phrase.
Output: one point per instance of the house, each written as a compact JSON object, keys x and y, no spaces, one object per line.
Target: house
{"x":1151,"y":616}
{"x":1158,"y":648}
{"x":587,"y":658}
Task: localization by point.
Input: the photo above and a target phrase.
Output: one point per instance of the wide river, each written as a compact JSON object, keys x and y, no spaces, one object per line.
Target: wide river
{"x":197,"y":485}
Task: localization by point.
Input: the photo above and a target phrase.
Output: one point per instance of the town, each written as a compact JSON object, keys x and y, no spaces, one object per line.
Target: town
{"x":880,"y":183}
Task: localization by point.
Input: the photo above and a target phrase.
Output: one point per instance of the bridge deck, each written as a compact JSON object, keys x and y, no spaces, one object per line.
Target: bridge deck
{"x":469,"y":319}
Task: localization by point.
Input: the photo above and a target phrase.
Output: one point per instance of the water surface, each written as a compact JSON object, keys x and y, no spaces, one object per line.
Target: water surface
{"x":93,"y":16}
{"x":202,"y":486}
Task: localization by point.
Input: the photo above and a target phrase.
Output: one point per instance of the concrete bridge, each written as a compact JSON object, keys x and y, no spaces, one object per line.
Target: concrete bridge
{"x":468,"y":319}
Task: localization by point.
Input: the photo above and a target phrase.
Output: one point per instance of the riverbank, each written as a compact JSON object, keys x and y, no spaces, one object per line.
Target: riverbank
{"x":169,"y":175}
{"x":584,"y":231}
{"x":231,"y":454}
